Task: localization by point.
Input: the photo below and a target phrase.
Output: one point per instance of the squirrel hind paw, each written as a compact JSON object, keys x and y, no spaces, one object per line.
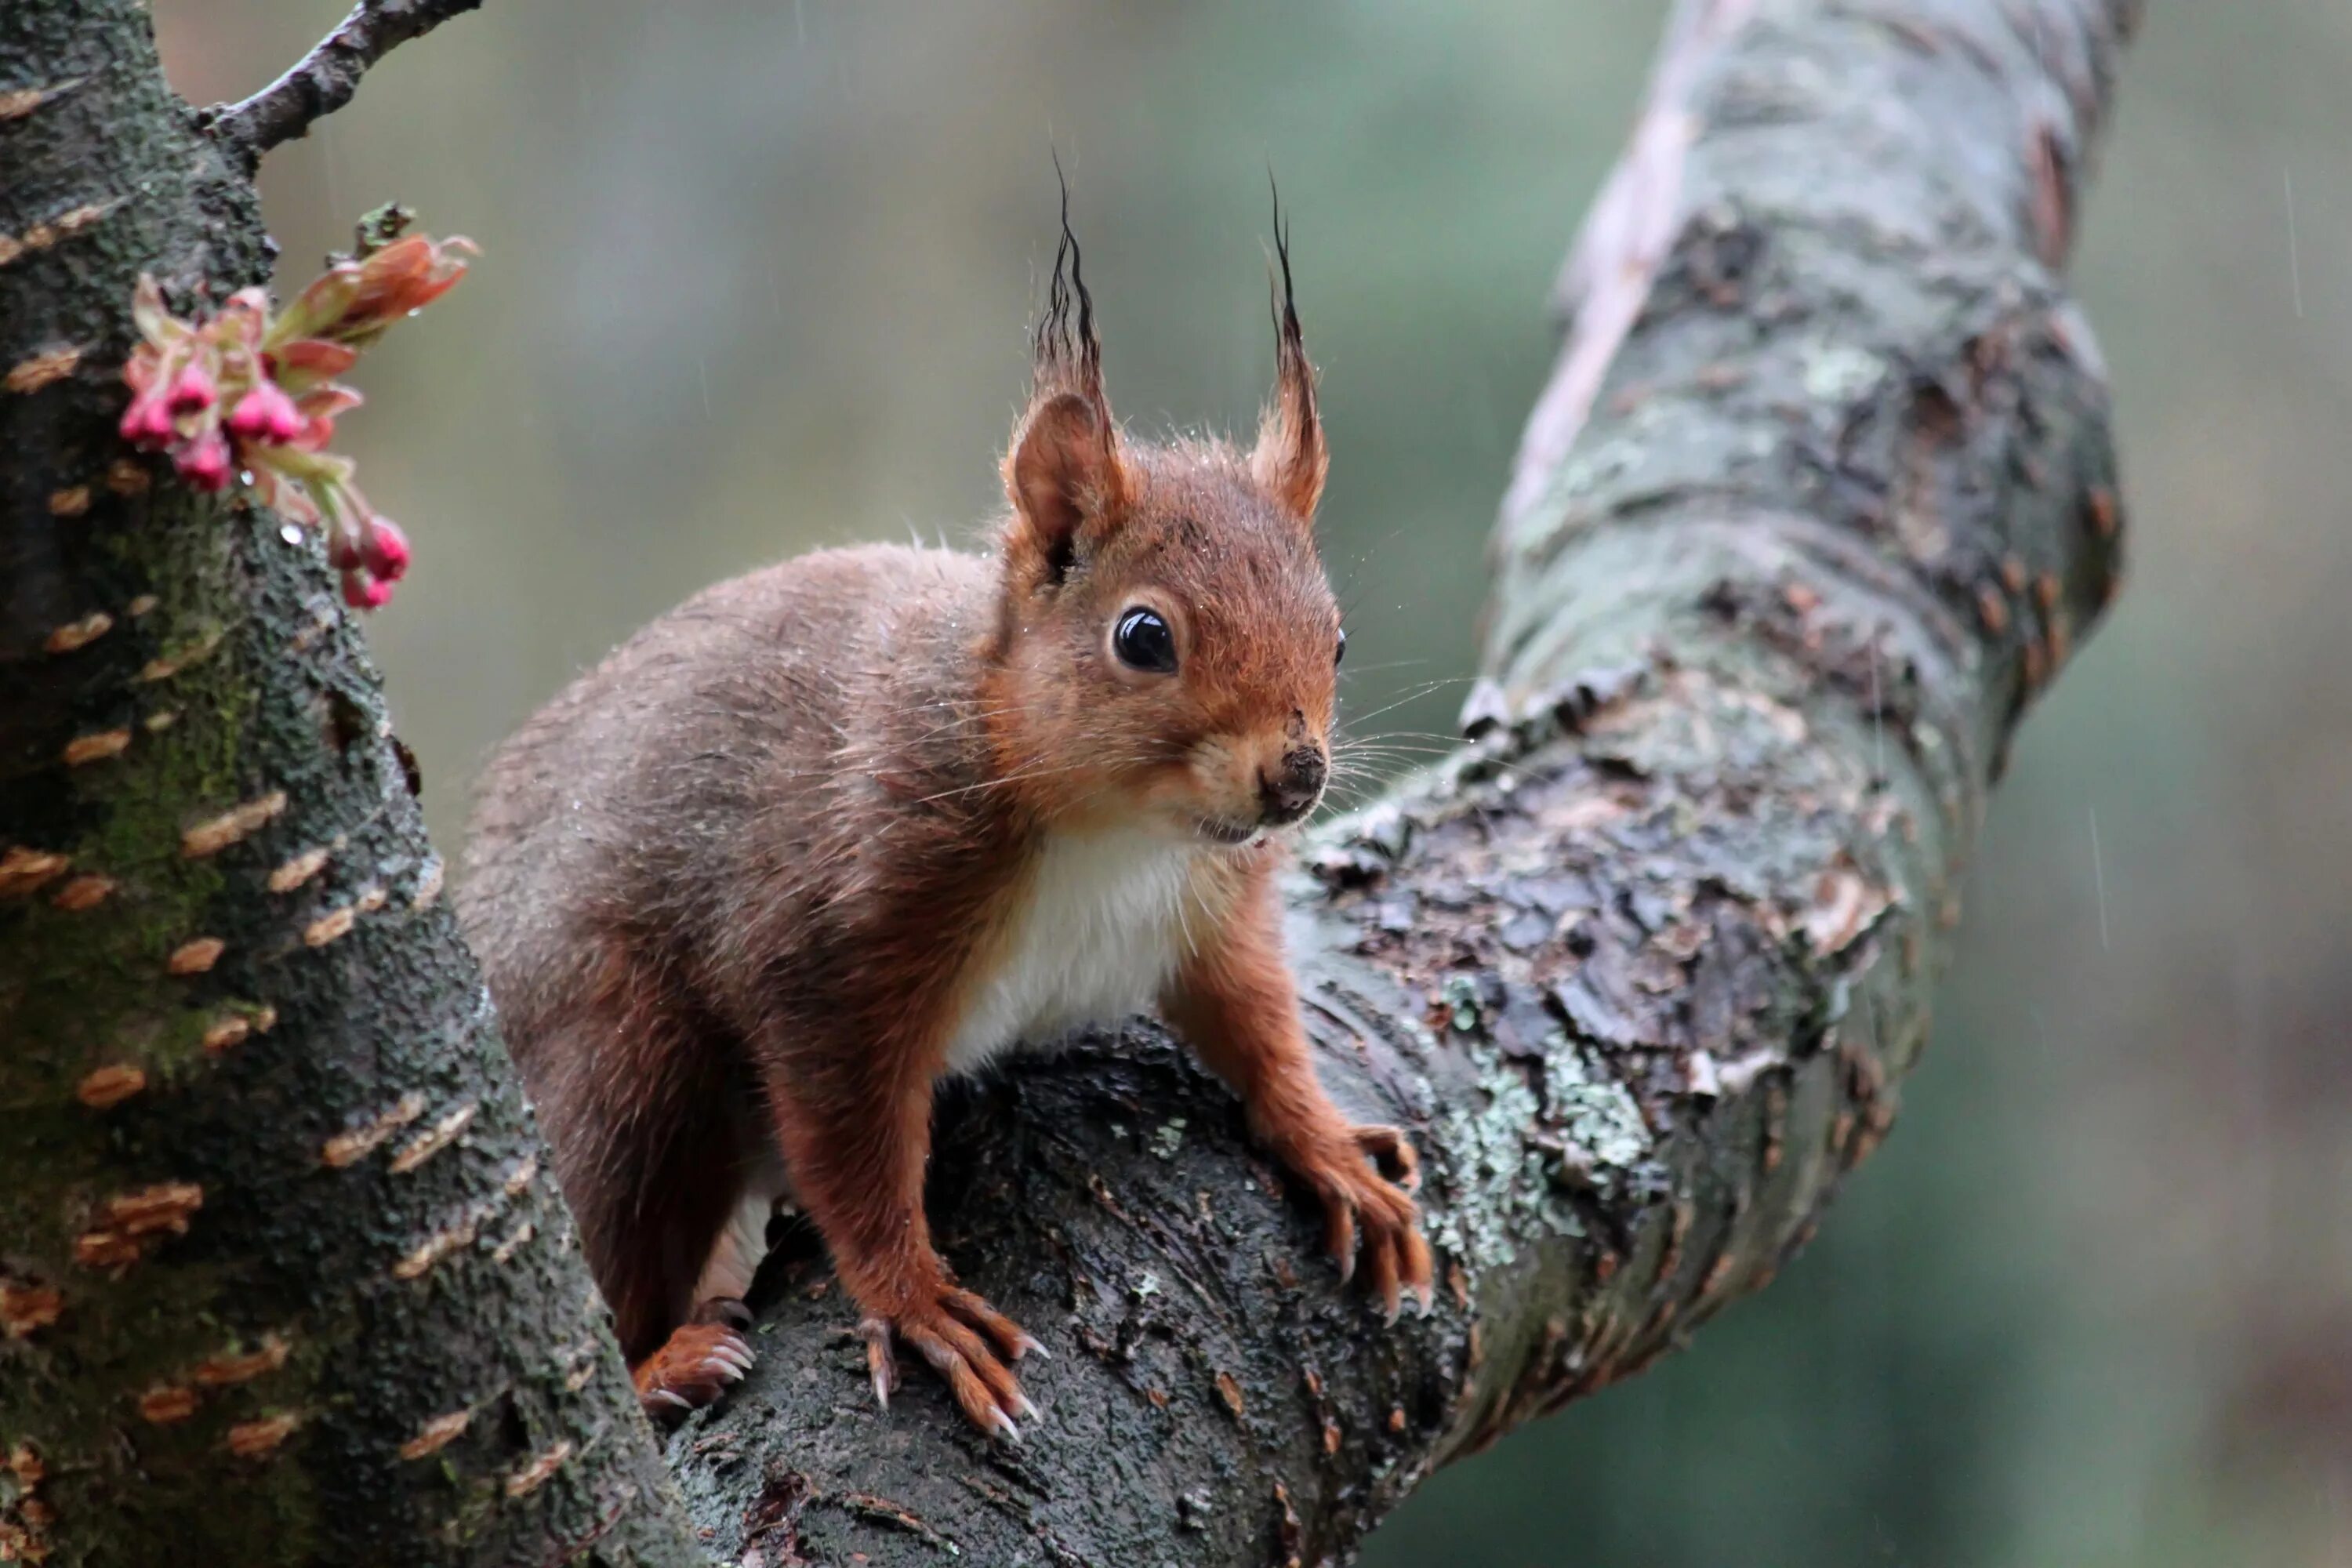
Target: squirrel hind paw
{"x":699,"y":1363}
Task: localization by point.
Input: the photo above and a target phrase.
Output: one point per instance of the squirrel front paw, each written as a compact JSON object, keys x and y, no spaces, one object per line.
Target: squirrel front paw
{"x":1369,"y":1215}
{"x":697,"y":1363}
{"x":967,"y":1342}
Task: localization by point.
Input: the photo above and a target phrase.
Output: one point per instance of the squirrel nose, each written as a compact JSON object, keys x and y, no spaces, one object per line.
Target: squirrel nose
{"x":1291,"y":792}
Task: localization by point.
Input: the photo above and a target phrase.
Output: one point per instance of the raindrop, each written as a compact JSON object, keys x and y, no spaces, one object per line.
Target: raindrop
{"x":2293,"y":253}
{"x":289,"y":533}
{"x":2099,"y":881}
{"x":1877,"y":717}
{"x":327,"y":147}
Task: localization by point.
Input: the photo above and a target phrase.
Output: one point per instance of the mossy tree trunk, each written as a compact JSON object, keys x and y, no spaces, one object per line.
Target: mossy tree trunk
{"x":1821,"y":494}
{"x":283,"y":1276}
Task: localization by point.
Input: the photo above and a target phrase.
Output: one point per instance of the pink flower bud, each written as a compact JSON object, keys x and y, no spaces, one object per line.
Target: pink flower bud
{"x":146,"y":422}
{"x":265,"y":414}
{"x":192,"y":391}
{"x":203,"y":463}
{"x":386,"y":550}
{"x":362,"y":591}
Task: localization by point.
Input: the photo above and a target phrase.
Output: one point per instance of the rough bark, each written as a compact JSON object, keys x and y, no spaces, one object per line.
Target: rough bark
{"x":1822,"y":495}
{"x":274,"y":1221}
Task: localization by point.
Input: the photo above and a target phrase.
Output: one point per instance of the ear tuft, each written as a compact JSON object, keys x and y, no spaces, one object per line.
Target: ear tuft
{"x":1064,"y":355}
{"x":1063,"y":468}
{"x":1290,"y":460}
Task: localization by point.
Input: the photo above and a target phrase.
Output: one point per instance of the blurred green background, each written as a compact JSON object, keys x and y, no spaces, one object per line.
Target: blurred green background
{"x":757,"y":279}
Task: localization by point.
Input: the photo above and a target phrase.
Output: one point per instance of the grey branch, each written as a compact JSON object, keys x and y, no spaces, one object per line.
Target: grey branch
{"x":323,"y":81}
{"x":1820,"y":496}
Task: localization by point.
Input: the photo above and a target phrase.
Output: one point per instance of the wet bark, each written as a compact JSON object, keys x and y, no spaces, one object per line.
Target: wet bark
{"x":1822,"y":495}
{"x":283,"y":1277}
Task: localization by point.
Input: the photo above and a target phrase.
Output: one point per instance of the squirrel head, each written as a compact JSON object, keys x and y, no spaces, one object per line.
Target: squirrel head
{"x":1167,"y":643}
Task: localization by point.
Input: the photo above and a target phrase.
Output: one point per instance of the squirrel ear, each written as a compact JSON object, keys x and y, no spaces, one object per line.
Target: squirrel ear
{"x":1290,"y":460}
{"x":1063,"y":470}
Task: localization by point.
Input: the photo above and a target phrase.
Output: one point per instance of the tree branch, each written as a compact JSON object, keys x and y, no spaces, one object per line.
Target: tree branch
{"x":1606,"y":279}
{"x":1821,"y":494}
{"x":323,"y":81}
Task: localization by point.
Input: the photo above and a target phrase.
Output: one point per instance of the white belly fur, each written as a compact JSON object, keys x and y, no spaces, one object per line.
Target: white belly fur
{"x":1105,"y":918}
{"x":742,"y":1242}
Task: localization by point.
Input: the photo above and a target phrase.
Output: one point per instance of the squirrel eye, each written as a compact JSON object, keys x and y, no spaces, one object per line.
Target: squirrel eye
{"x":1339,"y":652}
{"x":1143,"y":641}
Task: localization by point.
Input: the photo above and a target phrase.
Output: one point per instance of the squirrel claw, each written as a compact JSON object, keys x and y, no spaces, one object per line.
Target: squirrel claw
{"x":1339,"y":1235}
{"x":1384,"y":1281}
{"x":881,"y":1366}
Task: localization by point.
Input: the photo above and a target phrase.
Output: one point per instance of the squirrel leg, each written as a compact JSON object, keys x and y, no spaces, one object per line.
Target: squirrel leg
{"x":1236,"y":1005}
{"x":856,"y":1147}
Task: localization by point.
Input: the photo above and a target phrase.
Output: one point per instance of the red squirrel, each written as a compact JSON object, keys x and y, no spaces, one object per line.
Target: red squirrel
{"x":830,"y":831}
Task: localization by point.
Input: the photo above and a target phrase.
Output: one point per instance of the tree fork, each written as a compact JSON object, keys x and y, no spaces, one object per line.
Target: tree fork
{"x":1821,"y":495}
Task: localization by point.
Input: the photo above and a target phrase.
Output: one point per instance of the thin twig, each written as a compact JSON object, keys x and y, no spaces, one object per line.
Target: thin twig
{"x":324,"y":80}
